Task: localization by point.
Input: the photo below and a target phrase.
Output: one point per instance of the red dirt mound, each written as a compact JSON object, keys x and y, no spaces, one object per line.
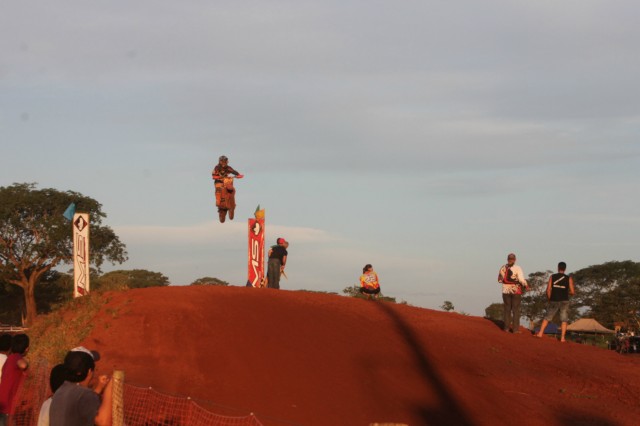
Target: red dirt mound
{"x":317,"y":359}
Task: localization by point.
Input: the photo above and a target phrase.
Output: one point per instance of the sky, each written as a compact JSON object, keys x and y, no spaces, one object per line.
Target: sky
{"x":428,"y":138}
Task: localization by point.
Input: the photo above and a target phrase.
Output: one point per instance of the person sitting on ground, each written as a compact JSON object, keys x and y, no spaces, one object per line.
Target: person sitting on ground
{"x":369,"y":284}
{"x":74,"y":403}
{"x":13,"y":373}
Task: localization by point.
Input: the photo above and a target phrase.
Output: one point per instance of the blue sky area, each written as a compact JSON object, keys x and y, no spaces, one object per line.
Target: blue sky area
{"x":428,"y":138}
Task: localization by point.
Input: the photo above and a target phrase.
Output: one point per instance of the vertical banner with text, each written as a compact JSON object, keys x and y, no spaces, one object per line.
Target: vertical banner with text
{"x":256,"y":252}
{"x":80,"y":254}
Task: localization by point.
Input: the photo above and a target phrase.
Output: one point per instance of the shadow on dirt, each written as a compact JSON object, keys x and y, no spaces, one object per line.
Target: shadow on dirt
{"x":579,"y":419}
{"x":447,"y":411}
{"x":497,"y":323}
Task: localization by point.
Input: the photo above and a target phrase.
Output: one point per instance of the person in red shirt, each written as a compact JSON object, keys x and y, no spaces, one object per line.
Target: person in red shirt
{"x":13,"y":373}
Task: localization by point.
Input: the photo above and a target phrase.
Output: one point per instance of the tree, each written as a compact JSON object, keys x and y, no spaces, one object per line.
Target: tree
{"x":128,"y":279}
{"x":354,"y":291}
{"x":35,"y":237}
{"x":55,"y":288}
{"x":610,"y":292}
{"x":534,"y":300}
{"x":11,"y":303}
{"x":209,"y":281}
{"x":447,"y":306}
{"x":494,"y":311}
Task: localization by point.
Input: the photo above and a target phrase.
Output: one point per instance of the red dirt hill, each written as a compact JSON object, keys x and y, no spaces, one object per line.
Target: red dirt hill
{"x":299,"y":358}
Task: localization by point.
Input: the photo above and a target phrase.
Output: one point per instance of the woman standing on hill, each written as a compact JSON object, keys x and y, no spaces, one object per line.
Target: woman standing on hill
{"x":277,"y":261}
{"x":369,"y":284}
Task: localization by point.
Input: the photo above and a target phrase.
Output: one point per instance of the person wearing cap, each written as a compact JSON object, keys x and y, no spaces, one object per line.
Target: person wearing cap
{"x":512,"y":279}
{"x":369,"y":284}
{"x":102,"y":381}
{"x":74,"y":403}
{"x":221,"y":171}
{"x":277,"y":261}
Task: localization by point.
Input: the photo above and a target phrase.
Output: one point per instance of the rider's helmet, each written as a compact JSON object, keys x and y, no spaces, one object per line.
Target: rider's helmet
{"x":223,"y":158}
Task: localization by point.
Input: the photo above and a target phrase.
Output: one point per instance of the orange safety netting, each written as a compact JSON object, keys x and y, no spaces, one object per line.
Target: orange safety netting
{"x":141,"y":406}
{"x":148,"y":407}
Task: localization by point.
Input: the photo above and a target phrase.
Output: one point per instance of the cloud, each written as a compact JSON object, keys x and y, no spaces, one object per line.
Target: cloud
{"x":210,"y":232}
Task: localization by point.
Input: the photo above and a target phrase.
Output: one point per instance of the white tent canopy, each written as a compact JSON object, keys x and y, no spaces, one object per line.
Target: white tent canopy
{"x":589,"y":325}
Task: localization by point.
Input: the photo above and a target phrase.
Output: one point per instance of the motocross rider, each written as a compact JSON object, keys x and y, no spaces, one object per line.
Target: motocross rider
{"x":221,"y":171}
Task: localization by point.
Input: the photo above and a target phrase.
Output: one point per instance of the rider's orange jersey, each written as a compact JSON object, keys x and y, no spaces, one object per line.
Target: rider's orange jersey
{"x":369,"y":280}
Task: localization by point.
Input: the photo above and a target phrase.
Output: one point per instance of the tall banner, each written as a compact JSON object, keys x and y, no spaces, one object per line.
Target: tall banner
{"x":80,"y":254}
{"x":256,"y":250}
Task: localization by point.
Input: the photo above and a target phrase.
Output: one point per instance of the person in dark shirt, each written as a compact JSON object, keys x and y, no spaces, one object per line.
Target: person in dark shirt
{"x":74,"y":403}
{"x":277,"y":261}
{"x":559,"y":288}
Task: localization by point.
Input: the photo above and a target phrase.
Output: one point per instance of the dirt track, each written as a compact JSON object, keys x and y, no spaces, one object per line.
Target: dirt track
{"x":316,"y":359}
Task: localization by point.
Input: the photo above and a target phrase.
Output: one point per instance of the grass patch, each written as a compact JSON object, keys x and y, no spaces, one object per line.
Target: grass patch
{"x":53,"y":334}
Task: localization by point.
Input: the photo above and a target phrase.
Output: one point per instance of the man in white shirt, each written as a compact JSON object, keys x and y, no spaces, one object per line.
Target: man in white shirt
{"x":513,"y":284}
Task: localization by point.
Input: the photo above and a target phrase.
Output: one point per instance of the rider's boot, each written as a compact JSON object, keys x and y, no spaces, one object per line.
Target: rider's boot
{"x":231,"y":212}
{"x":222,"y":215}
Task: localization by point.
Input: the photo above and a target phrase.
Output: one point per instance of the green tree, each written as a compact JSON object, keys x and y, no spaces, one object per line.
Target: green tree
{"x":494,"y":311}
{"x":534,"y":300}
{"x":610,"y":293}
{"x":35,"y":237}
{"x":209,"y":281}
{"x":55,"y":288}
{"x":11,"y":303}
{"x":128,"y":279}
{"x":354,"y":291}
{"x":447,"y":306}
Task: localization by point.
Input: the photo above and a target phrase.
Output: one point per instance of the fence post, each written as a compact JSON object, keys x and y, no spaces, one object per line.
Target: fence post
{"x":118,"y":398}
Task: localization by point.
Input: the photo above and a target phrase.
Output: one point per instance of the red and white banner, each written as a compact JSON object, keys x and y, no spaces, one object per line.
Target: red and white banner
{"x":80,"y":254}
{"x":256,"y":253}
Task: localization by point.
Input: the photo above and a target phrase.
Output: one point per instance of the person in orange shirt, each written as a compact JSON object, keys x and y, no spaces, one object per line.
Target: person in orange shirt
{"x":369,"y":284}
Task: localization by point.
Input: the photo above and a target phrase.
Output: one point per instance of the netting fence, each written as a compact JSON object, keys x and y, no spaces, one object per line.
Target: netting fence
{"x":134,"y":406}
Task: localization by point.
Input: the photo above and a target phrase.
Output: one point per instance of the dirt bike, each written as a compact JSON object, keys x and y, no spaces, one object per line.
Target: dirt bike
{"x":227,"y":198}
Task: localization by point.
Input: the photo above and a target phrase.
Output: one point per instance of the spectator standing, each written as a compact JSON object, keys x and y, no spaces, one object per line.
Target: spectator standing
{"x":13,"y":372}
{"x":74,"y":403}
{"x":56,"y":379}
{"x":277,"y":261}
{"x":559,"y":288}
{"x":5,"y":347}
{"x":512,"y":279}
